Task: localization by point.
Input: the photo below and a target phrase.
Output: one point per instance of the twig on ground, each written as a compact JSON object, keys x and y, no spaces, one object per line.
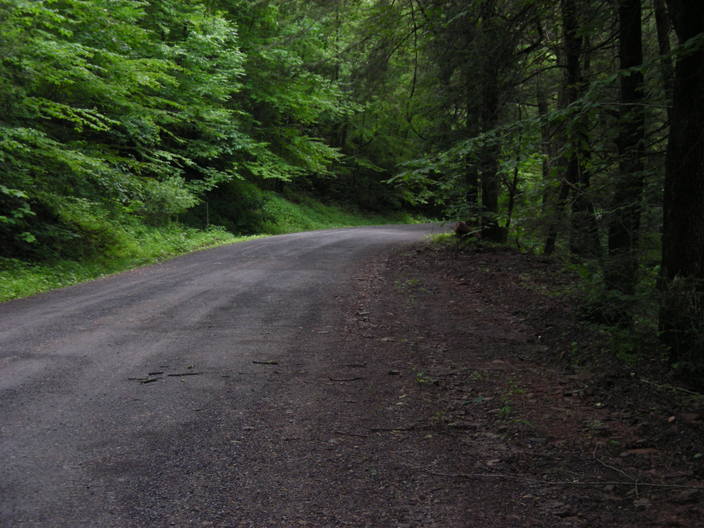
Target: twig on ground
{"x":345,"y":379}
{"x":672,"y":388}
{"x":634,"y":480}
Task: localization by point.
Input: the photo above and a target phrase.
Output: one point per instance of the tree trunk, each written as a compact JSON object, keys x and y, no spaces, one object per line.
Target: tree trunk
{"x":545,"y":140}
{"x":682,"y":309}
{"x":557,"y":164}
{"x":471,"y":177}
{"x":663,"y":27}
{"x":489,"y":117}
{"x":489,"y":163}
{"x":624,"y":228}
{"x":512,"y":194}
{"x":584,"y":235}
{"x":551,"y":240}
{"x":471,"y":169}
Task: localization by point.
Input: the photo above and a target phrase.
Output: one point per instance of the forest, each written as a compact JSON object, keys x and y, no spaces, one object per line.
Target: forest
{"x":570,"y":128}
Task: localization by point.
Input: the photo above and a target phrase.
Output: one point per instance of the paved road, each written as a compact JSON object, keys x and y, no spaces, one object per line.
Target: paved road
{"x":122,"y":398}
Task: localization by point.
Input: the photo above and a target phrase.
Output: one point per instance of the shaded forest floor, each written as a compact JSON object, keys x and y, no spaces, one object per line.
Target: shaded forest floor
{"x":486,"y":414}
{"x":447,"y":398}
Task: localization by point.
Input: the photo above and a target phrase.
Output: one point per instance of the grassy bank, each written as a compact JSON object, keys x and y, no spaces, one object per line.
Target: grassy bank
{"x":139,"y":244}
{"x":304,"y":213}
{"x":146,"y":245}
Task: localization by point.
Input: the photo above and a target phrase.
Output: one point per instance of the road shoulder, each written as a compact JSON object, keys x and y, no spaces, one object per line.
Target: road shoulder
{"x":445,"y":400}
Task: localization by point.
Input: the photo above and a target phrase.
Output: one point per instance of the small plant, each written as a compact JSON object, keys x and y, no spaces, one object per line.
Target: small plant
{"x":439,"y":418}
{"x":595,"y":425}
{"x":408,"y":284}
{"x":478,"y":375}
{"x":505,"y":411}
{"x":513,"y":388}
{"x":423,"y":379}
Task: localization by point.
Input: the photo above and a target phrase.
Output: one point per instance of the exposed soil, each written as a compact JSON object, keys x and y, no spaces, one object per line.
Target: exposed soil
{"x":451,"y":399}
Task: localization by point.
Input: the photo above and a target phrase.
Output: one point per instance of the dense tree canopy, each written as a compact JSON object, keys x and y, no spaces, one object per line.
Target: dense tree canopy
{"x":569,"y":126}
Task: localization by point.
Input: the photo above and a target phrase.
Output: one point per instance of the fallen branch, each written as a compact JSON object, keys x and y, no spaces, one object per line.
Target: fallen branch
{"x":634,"y":481}
{"x":345,"y":379}
{"x":614,"y":468}
{"x":266,"y":362}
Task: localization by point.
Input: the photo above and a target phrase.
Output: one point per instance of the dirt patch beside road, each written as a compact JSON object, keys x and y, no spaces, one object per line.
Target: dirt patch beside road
{"x":447,"y":401}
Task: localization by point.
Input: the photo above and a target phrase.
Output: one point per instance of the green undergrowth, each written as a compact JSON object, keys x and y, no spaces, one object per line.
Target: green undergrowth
{"x":452,"y":241}
{"x":134,"y":244}
{"x":303,"y":213}
{"x":611,"y":332}
{"x":446,"y":240}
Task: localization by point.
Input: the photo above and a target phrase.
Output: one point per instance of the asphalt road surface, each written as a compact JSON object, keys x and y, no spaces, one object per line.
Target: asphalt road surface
{"x":126,"y":399}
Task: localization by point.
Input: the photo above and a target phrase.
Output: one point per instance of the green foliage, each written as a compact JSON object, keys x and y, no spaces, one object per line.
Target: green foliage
{"x":142,"y":107}
{"x":284,"y":101}
{"x":162,"y":200}
{"x":122,"y":116}
{"x":121,"y":113}
{"x":307,"y":213}
{"x":120,"y":243}
{"x":99,"y":108}
{"x":137,"y":245}
{"x":236,"y":205}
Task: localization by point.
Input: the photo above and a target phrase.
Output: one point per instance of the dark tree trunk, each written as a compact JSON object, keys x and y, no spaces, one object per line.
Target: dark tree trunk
{"x":513,"y":185}
{"x":489,"y":164}
{"x":545,"y":140}
{"x":557,"y":164}
{"x":471,"y":177}
{"x":471,"y":170}
{"x":584,"y":235}
{"x":490,"y":194}
{"x":624,"y":228}
{"x":489,"y":117}
{"x":667,"y":70}
{"x":512,"y":195}
{"x":561,"y":205}
{"x":682,"y":310}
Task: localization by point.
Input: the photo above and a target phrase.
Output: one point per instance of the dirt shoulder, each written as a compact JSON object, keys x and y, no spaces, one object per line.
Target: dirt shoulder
{"x":448,"y":400}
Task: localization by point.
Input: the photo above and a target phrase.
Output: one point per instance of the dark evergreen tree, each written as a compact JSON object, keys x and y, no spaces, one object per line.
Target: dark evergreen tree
{"x":682,"y":313}
{"x":624,"y":228}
